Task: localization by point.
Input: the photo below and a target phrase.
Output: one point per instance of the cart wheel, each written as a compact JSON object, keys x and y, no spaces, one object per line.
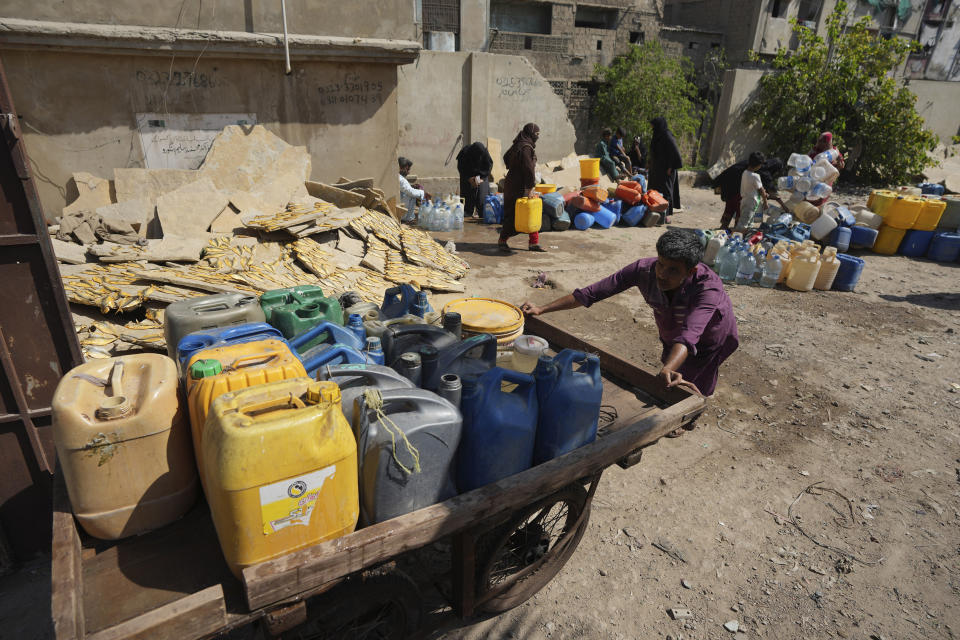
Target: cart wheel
{"x":520,"y":558}
{"x":384,"y":606}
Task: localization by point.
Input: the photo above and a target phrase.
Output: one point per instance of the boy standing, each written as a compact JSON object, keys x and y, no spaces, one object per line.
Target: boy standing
{"x":752,"y":193}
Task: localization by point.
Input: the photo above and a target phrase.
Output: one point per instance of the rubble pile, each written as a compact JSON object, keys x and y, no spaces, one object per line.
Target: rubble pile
{"x":248,"y":220}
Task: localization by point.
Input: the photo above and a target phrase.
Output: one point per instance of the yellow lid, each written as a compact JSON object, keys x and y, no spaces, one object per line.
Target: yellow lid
{"x":484,"y":315}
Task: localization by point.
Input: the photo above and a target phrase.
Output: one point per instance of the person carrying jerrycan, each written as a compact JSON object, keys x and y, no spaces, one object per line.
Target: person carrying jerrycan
{"x":693,"y":313}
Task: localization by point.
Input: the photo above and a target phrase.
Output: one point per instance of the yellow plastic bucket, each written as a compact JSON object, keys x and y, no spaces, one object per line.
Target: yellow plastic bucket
{"x":485,"y":315}
{"x":545,"y":188}
{"x":589,"y":168}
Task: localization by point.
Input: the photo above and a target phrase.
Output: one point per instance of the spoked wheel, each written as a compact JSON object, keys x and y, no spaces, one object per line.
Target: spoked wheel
{"x":379,"y":607}
{"x":517,"y":560}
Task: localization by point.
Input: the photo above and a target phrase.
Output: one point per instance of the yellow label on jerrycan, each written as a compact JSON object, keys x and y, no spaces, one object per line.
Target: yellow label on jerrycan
{"x":280,"y":463}
{"x":213,"y":372}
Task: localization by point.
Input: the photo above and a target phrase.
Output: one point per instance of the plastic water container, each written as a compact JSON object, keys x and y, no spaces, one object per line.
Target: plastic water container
{"x":528,"y":215}
{"x":866,"y":218}
{"x":840,"y":238}
{"x":421,"y":305}
{"x":355,"y":324}
{"x":590,"y":168}
{"x":212,"y":372}
{"x":324,"y":355}
{"x":553,"y":210}
{"x":354,"y":379}
{"x":398,"y":301}
{"x":950,"y":220}
{"x":614,"y":205}
{"x":848,"y":275}
{"x":651,"y":219}
{"x":473,"y":356}
{"x":634,"y":215}
{"x":803,"y":185}
{"x":799,"y":161}
{"x":302,"y":491}
{"x":903,"y":212}
{"x":410,"y":337}
{"x":930,"y":189}
{"x":192,"y":343}
{"x":888,"y":240}
{"x":786,"y":183}
{"x":366,"y":310}
{"x":604,"y":217}
{"x":493,"y":210}
{"x":771,"y":274}
{"x":799,"y":232}
{"x":822,"y":226}
{"x":746,"y":268}
{"x":499,"y":428}
{"x":124,"y":446}
{"x":629,"y":195}
{"x":945,"y":247}
{"x":569,"y":399}
{"x":844,"y":216}
{"x":909,"y":191}
{"x":829,"y":266}
{"x":326,"y":333}
{"x":803,"y":272}
{"x":880,"y":200}
{"x":930,"y":215}
{"x":915,"y":243}
{"x":641,"y":180}
{"x":712,"y":248}
{"x":583,"y":221}
{"x":826,"y":172}
{"x":408,"y":460}
{"x":207,"y":312}
{"x":526,"y":352}
{"x":829,"y":156}
{"x":373,"y":350}
{"x":805,"y":212}
{"x":296,"y":309}
{"x":376,"y":328}
{"x":820,"y":190}
{"x":862,"y":237}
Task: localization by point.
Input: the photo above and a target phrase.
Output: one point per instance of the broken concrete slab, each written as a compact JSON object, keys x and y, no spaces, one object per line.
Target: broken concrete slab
{"x":150,"y":184}
{"x":169,"y":249}
{"x":344,"y":183}
{"x":249,"y":158}
{"x":350,"y":245}
{"x":69,"y":252}
{"x":226,"y":222}
{"x":338,"y":197}
{"x":93,"y":192}
{"x":190,"y":209}
{"x":135,"y":213}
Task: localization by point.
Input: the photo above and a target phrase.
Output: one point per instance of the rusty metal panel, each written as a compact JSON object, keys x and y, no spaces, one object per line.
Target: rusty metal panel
{"x":38,"y":344}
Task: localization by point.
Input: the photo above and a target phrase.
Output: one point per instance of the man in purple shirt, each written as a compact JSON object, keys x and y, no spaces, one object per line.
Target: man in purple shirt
{"x":692,"y":310}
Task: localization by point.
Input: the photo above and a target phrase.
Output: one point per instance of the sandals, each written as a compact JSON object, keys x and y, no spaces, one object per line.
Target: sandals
{"x":537,"y":248}
{"x":676,"y":433}
{"x":504,"y":247}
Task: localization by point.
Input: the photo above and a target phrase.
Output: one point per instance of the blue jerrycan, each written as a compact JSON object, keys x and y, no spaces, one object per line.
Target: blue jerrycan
{"x":569,"y":401}
{"x":208,"y":338}
{"x":398,"y":301}
{"x":330,"y":354}
{"x":325,"y":333}
{"x":399,"y":339}
{"x":470,"y":358}
{"x":499,"y":428}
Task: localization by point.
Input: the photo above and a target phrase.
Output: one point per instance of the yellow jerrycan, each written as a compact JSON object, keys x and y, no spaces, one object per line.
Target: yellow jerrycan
{"x":528,"y":215}
{"x":123,"y":444}
{"x":213,"y":372}
{"x":280,"y":463}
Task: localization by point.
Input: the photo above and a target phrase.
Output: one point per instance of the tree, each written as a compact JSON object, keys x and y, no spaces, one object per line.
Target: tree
{"x":645,"y":83}
{"x":845,"y":84}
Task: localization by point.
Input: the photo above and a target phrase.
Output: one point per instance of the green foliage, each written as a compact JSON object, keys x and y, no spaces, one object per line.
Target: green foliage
{"x":844,"y":84}
{"x":646,"y":83}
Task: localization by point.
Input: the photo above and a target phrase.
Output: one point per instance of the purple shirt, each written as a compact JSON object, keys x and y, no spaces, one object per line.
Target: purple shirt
{"x":700,"y":315}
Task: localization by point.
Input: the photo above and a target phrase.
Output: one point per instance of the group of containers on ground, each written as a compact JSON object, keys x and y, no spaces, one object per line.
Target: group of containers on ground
{"x":302,"y":415}
{"x":916,"y":222}
{"x":630,"y":204}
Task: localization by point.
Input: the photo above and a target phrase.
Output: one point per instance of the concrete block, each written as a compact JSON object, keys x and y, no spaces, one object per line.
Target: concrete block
{"x":250,"y":159}
{"x":150,"y":184}
{"x":169,"y":249}
{"x":92,"y":192}
{"x":69,"y":252}
{"x":190,"y":209}
{"x":136,"y":213}
{"x":226,"y":222}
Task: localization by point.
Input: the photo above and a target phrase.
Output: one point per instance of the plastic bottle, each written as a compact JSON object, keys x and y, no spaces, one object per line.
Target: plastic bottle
{"x":712,"y":249}
{"x":786,"y":182}
{"x":373,"y":350}
{"x":426,"y":211}
{"x":458,"y":217}
{"x":761,"y":258}
{"x":830,"y":156}
{"x":728,"y":270}
{"x":820,"y":190}
{"x":800,"y":161}
{"x":355,"y":324}
{"x":772,"y":272}
{"x":746,"y":267}
{"x":803,"y":185}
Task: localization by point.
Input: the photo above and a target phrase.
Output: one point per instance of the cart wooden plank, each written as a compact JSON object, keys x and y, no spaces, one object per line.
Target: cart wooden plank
{"x":66,"y":573}
{"x":194,"y":616}
{"x":275,"y":580}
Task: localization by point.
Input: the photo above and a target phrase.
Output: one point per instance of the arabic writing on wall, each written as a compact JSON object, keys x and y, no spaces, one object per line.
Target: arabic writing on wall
{"x":516,"y":86}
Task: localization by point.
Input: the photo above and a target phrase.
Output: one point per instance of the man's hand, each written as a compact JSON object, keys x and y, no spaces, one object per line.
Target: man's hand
{"x":530,"y":310}
{"x":669,"y":378}
{"x":475,"y":181}
{"x":427,"y":196}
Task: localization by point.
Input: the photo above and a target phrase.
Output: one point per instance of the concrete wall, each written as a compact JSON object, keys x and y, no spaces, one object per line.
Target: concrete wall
{"x":447,"y":100}
{"x":393,"y":19}
{"x":78,"y":110}
{"x":937,"y":103}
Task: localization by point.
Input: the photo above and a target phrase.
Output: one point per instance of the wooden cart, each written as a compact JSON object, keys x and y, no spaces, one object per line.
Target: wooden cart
{"x":505,"y":541}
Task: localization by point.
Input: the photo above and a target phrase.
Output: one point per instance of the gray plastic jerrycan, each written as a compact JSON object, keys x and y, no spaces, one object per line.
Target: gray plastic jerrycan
{"x":354,"y":379}
{"x":207,"y":312}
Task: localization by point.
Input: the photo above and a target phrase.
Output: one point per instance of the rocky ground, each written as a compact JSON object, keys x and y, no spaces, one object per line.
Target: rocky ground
{"x":838,"y":412}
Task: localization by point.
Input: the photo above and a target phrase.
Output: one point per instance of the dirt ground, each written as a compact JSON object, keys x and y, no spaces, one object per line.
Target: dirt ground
{"x":852,"y":395}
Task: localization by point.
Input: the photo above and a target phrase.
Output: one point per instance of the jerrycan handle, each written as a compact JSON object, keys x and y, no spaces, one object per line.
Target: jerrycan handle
{"x":297,"y":341}
{"x":253,"y":358}
{"x":249,"y":329}
{"x":209,"y":306}
{"x":288,"y":401}
{"x":489,"y":348}
{"x":326,"y":355}
{"x":522,"y":380}
{"x":117,"y":405}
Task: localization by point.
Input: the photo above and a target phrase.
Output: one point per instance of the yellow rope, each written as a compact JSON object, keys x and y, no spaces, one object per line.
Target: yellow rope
{"x":375,"y":402}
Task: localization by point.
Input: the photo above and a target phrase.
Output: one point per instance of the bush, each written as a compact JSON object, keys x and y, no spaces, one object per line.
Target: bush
{"x":844,"y":84}
{"x":646,"y":83}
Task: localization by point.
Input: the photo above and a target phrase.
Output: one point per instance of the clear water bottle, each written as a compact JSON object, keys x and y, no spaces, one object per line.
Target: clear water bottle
{"x":772,"y":272}
{"x":818,"y":172}
{"x":800,"y":160}
{"x":458,"y":217}
{"x":746,"y":267}
{"x":721,"y":258}
{"x":761,"y":257}
{"x":786,"y":182}
{"x":728,"y":268}
{"x":820,"y":190}
{"x":426,"y":211}
{"x":803,"y":185}
{"x":830,"y":155}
